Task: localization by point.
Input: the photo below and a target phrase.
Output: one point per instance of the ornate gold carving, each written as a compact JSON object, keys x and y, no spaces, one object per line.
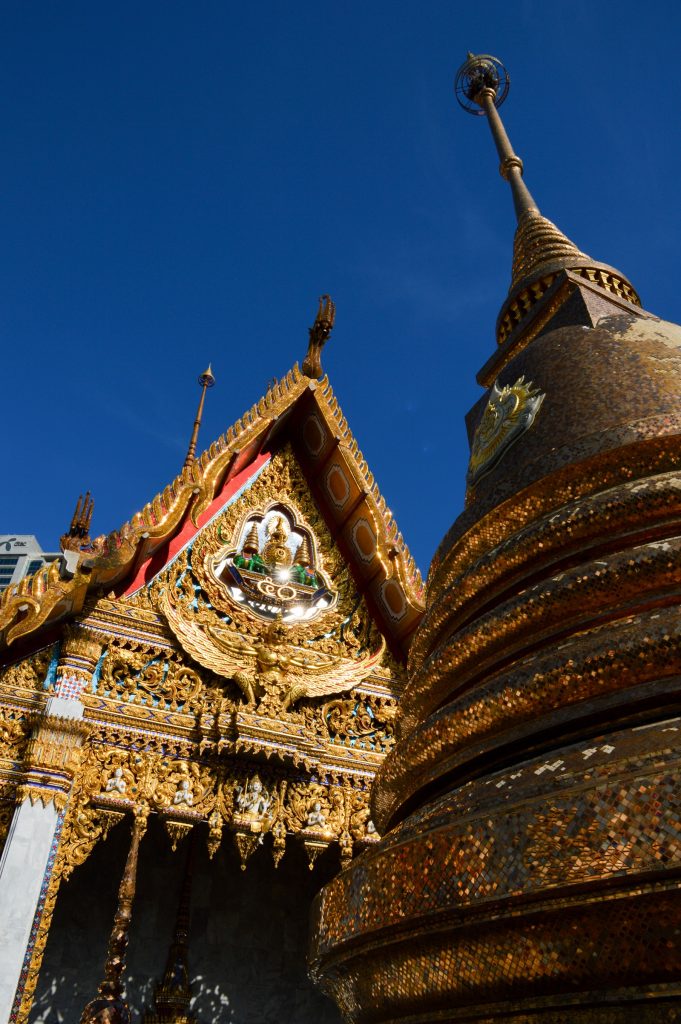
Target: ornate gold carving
{"x":273,"y":674}
{"x":215,"y":828}
{"x":510,"y":411}
{"x":278,"y":842}
{"x":85,"y":826}
{"x":284,"y":663}
{"x":14,"y":733}
{"x":365,"y":722}
{"x":52,"y":757}
{"x":148,"y":680}
{"x":177,"y":830}
{"x":27,"y":675}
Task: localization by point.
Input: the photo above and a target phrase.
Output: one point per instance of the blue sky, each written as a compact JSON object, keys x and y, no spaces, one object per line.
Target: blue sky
{"x":180,"y":181}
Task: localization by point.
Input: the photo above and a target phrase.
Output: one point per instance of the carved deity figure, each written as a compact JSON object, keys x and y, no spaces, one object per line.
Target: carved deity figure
{"x":183,"y":793}
{"x":316,"y":817}
{"x":253,"y":799}
{"x":116,"y":783}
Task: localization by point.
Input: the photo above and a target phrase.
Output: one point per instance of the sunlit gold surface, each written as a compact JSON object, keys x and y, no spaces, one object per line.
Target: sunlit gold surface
{"x":530,"y":870}
{"x":50,"y":595}
{"x":190,"y":699}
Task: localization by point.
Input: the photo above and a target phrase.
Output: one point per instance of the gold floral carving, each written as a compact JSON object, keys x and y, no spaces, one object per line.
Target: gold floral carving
{"x":177,"y":831}
{"x":84,"y":827}
{"x":362,"y":721}
{"x":140,"y":678}
{"x":27,"y":675}
{"x":52,"y":757}
{"x":14,"y":733}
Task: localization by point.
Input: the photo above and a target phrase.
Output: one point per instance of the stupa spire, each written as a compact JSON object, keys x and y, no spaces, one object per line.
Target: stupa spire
{"x":482,"y":84}
{"x":549,"y":271}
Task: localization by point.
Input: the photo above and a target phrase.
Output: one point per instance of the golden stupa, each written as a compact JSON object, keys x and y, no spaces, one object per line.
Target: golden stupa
{"x":530,"y":811}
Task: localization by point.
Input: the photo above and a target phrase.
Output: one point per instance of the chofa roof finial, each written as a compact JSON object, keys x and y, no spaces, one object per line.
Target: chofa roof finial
{"x":78,"y":535}
{"x":319,"y":335}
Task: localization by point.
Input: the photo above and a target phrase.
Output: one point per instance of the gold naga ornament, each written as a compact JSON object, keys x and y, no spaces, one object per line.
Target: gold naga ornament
{"x":510,"y":411}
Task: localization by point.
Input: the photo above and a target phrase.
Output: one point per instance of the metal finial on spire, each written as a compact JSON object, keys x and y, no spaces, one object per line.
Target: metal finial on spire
{"x":481,"y":86}
{"x":540,"y":249}
{"x":206,"y":380}
{"x":319,"y":335}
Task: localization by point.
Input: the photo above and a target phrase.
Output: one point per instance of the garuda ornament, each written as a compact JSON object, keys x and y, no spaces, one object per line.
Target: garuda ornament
{"x":271,"y":672}
{"x":510,"y":411}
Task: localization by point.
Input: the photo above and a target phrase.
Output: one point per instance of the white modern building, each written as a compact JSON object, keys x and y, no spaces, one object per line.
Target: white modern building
{"x":21,"y":555}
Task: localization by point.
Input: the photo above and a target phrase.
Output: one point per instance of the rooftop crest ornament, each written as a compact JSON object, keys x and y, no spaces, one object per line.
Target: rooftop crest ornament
{"x":319,"y":335}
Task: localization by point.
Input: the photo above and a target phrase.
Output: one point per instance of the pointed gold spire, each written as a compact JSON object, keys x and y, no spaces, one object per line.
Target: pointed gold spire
{"x":252,"y":543}
{"x":539,"y":247}
{"x":206,"y":380}
{"x":302,"y":555}
{"x":538,"y":244}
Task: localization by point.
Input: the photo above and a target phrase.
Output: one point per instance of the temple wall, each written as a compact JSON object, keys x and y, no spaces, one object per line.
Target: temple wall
{"x":248,"y":941}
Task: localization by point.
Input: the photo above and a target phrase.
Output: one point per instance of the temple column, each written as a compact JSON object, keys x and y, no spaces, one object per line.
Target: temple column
{"x":33,"y":836}
{"x":26,"y":868}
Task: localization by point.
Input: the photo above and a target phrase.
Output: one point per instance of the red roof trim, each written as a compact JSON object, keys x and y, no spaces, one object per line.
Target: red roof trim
{"x":172,"y":547}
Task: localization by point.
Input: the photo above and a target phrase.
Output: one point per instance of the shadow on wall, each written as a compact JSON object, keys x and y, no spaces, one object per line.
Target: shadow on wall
{"x":248,"y":940}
